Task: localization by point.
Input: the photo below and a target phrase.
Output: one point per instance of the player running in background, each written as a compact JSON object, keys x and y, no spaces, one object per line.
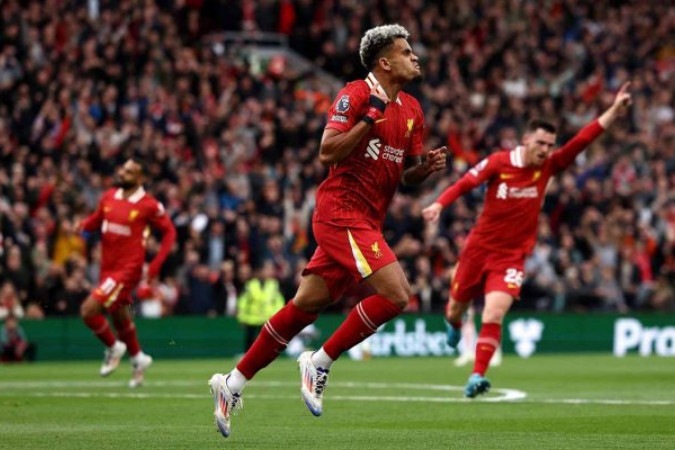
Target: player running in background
{"x":372,"y":142}
{"x":492,"y":260}
{"x":123,"y":217}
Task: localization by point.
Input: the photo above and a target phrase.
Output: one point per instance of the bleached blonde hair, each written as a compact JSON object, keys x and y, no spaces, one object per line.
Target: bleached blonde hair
{"x":377,"y":39}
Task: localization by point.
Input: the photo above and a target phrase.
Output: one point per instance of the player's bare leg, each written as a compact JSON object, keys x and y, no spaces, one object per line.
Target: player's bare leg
{"x":390,"y":282}
{"x":454,"y":312}
{"x":312,"y":295}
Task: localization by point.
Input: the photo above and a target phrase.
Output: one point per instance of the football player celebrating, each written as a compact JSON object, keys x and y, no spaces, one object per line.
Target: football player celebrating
{"x":491,"y":262}
{"x":372,"y":142}
{"x":123,"y":217}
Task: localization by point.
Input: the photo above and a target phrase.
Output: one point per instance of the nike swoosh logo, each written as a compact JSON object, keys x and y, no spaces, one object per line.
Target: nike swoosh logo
{"x":506,"y":176}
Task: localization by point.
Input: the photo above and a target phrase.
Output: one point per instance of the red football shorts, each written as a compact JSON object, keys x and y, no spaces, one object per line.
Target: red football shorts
{"x":347,"y":254}
{"x":480,"y":271}
{"x":114,"y":290}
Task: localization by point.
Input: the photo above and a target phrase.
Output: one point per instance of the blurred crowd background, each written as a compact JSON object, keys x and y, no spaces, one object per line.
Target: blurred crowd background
{"x":233,"y":144}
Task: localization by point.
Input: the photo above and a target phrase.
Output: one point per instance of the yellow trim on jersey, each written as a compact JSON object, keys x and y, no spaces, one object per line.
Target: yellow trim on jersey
{"x":360,"y":260}
{"x":112,"y":297}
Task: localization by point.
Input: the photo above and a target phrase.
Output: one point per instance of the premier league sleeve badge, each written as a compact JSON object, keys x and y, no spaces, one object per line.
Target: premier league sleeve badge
{"x":343,"y":104}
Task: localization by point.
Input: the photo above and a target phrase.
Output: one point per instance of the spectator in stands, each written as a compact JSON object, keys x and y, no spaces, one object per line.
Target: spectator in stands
{"x":10,"y":304}
{"x":260,"y":298}
{"x":14,"y":344}
{"x":216,"y":123}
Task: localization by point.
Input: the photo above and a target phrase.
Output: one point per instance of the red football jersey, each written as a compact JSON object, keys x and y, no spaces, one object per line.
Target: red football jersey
{"x":123,"y":224}
{"x":362,"y":185}
{"x":514,"y":194}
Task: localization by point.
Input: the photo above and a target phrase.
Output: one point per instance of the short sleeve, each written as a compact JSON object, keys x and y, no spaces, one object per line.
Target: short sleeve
{"x":159,"y":209}
{"x":156,"y":211}
{"x":485,"y":169}
{"x":347,"y":108}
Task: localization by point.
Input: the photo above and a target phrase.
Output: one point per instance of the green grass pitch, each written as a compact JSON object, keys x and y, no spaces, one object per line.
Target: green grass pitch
{"x":545,"y":402}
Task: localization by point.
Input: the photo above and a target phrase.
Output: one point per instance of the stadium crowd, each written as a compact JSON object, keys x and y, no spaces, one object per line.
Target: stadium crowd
{"x":233,"y":145}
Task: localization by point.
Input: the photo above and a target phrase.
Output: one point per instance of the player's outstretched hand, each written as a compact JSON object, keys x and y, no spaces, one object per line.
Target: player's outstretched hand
{"x":623,"y":98}
{"x":432,"y":212}
{"x":436,"y":159}
{"x":621,"y":103}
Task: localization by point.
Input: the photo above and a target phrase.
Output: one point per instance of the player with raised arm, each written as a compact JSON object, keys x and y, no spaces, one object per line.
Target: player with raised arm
{"x":372,"y":142}
{"x":493,"y":257}
{"x":124,"y":217}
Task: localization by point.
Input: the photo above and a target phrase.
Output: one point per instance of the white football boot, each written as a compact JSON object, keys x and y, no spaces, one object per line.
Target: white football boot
{"x":312,"y":383}
{"x":139,"y":364}
{"x":226,"y":403}
{"x":112,"y":357}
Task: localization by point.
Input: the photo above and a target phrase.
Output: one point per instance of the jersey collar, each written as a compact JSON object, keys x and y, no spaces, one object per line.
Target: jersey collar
{"x":372,"y":81}
{"x":133,"y":198}
{"x":517,"y":156}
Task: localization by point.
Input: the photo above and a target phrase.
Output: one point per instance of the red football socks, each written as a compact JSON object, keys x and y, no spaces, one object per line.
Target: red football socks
{"x":126,"y":330}
{"x":362,"y":321}
{"x":488,"y":341}
{"x":99,"y":325}
{"x":274,"y":337}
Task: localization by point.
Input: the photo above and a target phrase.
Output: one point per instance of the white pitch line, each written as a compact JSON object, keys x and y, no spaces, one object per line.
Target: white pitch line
{"x":497,"y":395}
{"x":587,"y":401}
{"x":27,"y":389}
{"x":360,"y":398}
{"x":354,"y":398}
